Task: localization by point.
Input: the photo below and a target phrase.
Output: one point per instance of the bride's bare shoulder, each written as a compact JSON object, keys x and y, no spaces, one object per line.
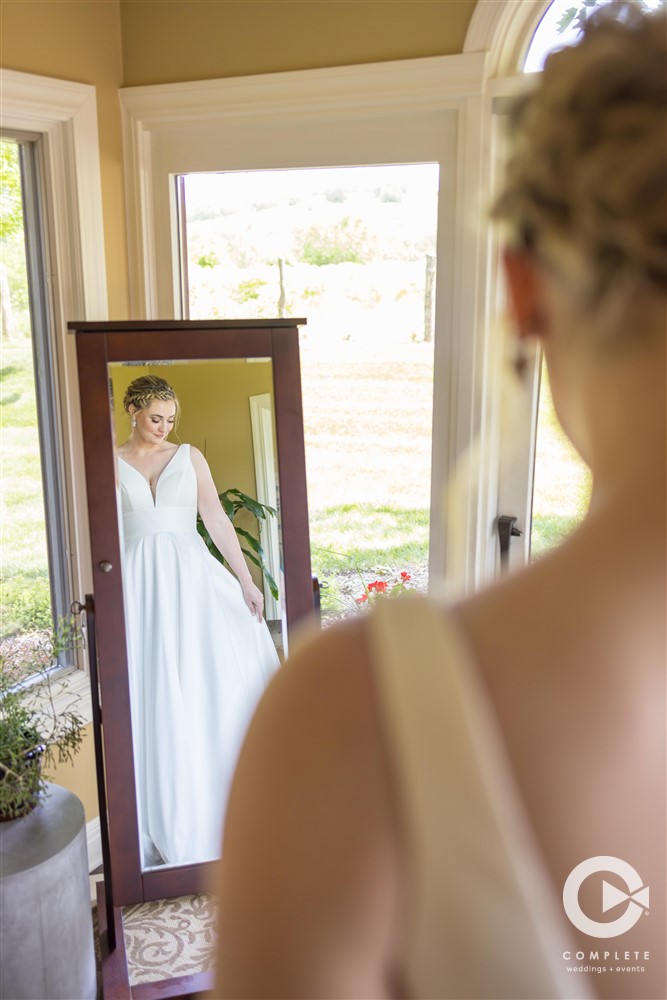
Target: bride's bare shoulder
{"x":310,"y":817}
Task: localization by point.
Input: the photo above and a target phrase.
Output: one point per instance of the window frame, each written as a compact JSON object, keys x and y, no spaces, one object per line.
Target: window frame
{"x":63,"y":117}
{"x":44,"y":362}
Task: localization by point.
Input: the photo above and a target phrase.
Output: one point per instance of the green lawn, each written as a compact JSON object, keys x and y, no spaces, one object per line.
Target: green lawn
{"x":367,"y":537}
{"x":355,"y":541}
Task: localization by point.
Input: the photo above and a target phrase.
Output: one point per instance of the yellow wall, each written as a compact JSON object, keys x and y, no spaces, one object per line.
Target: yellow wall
{"x":81,"y":41}
{"x":165,"y":41}
{"x":215,"y":412}
{"x":79,"y":775}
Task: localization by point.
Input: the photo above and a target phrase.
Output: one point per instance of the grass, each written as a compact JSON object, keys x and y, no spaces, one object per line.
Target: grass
{"x":25,"y":599}
{"x":368,"y":538}
{"x":351,"y":541}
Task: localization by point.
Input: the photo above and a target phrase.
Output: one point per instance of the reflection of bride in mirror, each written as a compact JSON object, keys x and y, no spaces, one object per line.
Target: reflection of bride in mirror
{"x":199,"y":651}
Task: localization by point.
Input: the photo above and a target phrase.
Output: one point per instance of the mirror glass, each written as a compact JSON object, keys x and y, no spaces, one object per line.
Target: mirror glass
{"x":198,"y":659}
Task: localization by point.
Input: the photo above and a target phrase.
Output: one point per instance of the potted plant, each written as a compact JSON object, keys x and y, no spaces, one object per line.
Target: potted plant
{"x":43,"y":854}
{"x":233,"y":501}
{"x":34,"y":733}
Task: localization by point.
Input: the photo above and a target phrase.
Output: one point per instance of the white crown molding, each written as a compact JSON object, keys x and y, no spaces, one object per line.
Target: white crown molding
{"x":434,"y":82}
{"x":27,"y":99}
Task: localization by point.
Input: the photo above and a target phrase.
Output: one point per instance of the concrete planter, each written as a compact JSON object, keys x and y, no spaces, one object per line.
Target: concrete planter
{"x":46,"y":932}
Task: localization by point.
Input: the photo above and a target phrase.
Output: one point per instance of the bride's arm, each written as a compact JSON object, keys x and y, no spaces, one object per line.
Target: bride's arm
{"x":221,"y":530}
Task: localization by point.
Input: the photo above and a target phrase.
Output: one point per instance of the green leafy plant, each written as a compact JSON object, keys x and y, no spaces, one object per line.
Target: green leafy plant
{"x":233,"y":501}
{"x":34,"y":733}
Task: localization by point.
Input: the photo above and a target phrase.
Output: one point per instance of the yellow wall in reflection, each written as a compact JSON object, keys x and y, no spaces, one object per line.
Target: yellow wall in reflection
{"x":215,"y":411}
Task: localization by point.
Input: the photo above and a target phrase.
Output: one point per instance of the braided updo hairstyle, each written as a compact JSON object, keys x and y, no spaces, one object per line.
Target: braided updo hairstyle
{"x":586,"y":183}
{"x":141,"y":392}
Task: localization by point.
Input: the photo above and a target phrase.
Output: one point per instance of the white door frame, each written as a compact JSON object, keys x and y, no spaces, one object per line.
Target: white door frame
{"x":504,"y":29}
{"x":266,"y":479}
{"x":408,"y":111}
{"x":378,"y":113}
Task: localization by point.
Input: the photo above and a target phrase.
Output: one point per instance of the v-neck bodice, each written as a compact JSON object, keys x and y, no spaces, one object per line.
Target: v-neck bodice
{"x":173,"y":506}
{"x":161,"y":473}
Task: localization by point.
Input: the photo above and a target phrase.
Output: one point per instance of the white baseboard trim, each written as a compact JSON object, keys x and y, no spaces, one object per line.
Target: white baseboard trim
{"x":94,"y":842}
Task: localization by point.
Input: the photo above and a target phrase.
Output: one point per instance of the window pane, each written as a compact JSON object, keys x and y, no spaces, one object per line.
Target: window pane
{"x":26,"y":597}
{"x":352,"y":249}
{"x":562,"y":487}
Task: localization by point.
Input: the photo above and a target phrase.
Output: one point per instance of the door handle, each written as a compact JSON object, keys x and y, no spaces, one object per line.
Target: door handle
{"x":506,"y":527}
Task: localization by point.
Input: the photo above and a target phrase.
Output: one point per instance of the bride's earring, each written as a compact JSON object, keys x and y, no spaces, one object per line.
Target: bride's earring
{"x":520,"y":360}
{"x":134,"y":422}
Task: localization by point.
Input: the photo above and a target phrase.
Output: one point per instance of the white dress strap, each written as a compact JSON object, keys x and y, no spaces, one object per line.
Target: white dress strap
{"x":484,"y":921}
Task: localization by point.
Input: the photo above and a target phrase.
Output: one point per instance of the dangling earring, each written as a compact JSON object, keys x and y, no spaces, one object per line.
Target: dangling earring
{"x":520,"y":360}
{"x":134,"y":422}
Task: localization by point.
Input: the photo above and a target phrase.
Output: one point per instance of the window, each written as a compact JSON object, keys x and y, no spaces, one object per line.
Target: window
{"x":35,"y":589}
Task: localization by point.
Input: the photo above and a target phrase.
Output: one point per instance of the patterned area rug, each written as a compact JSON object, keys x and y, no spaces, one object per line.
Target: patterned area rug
{"x":170,"y":937}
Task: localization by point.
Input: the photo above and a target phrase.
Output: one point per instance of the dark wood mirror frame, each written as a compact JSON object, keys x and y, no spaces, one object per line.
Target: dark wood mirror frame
{"x":98,"y":345}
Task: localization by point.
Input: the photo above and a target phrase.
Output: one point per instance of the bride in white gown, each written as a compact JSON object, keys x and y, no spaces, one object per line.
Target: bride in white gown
{"x":200,"y":653}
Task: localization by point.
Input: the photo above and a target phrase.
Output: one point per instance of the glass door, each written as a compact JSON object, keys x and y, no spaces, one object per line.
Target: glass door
{"x":352,"y":249}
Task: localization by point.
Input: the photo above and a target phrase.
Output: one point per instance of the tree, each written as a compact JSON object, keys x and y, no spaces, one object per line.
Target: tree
{"x":578,"y":13}
{"x":11,"y":202}
{"x":11,"y":222}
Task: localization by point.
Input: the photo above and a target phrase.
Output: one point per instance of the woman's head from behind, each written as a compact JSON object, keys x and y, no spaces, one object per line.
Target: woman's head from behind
{"x":585,"y":190}
{"x":152,"y":406}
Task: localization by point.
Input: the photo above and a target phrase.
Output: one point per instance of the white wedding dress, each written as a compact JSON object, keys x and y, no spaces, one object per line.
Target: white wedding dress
{"x":198,"y":662}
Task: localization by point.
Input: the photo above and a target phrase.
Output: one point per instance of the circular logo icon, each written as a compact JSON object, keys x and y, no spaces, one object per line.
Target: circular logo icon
{"x":636,"y":897}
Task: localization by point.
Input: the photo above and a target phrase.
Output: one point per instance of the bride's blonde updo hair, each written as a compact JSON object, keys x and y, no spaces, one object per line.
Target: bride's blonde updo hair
{"x":586,"y":180}
{"x":143,"y":391}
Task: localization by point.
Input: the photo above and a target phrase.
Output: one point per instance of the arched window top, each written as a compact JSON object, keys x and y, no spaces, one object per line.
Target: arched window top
{"x":559,"y":26}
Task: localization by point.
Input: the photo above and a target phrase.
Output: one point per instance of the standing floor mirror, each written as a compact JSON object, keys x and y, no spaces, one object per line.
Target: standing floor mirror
{"x":239,"y":387}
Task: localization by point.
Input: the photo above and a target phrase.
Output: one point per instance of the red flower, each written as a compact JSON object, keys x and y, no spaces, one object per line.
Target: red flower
{"x":405,"y":577}
{"x":380,"y":586}
{"x":360,"y":600}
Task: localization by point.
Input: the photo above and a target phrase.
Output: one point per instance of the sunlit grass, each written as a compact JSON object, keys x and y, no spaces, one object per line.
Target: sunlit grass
{"x":25,"y":601}
{"x":367,"y":538}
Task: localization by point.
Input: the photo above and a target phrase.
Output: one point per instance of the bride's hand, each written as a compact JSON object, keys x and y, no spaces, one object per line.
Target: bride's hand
{"x":254,"y":599}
